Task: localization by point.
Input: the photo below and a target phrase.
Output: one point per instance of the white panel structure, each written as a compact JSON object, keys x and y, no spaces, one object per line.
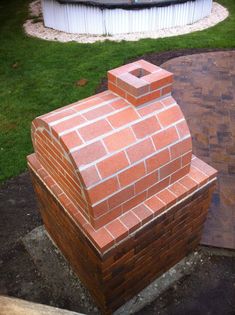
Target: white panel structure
{"x":85,"y":19}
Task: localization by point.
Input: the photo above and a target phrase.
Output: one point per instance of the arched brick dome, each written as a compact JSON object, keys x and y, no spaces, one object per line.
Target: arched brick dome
{"x":113,"y":150}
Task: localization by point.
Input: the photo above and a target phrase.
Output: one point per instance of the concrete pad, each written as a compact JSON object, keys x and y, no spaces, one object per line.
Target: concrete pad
{"x":59,"y":276}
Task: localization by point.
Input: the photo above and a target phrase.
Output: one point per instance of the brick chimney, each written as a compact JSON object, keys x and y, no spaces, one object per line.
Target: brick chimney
{"x":120,"y":192}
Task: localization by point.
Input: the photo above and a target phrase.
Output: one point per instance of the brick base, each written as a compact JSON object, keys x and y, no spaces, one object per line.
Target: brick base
{"x":119,"y":274}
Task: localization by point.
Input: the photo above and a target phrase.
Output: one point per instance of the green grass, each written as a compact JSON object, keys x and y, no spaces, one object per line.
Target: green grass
{"x":45,"y":73}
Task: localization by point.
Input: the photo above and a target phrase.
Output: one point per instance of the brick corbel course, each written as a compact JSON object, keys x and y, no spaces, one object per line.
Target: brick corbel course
{"x":120,"y":192}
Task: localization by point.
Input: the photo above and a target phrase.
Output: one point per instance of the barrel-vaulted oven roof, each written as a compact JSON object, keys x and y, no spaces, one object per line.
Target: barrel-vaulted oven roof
{"x":120,"y":158}
{"x":119,"y":143}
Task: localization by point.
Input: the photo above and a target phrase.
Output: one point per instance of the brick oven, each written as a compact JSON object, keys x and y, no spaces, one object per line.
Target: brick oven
{"x":120,"y":192}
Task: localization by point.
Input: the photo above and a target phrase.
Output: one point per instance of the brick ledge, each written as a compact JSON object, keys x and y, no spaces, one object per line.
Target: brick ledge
{"x":117,"y":231}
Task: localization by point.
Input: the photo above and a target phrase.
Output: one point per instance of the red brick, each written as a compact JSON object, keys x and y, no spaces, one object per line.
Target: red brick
{"x":67,"y":124}
{"x":42,"y":173}
{"x":180,"y":173}
{"x":143,"y":213}
{"x":106,"y":217}
{"x":168,"y":101}
{"x":131,"y":221}
{"x":119,"y":140}
{"x":133,"y":202}
{"x":170,"y":116}
{"x":112,"y":87}
{"x":90,"y":176}
{"x":98,"y":112}
{"x":140,"y":150}
{"x":117,"y":230}
{"x":170,"y":168}
{"x":104,"y":189}
{"x":123,"y":118}
{"x":143,"y":99}
{"x":102,"y":238}
{"x":198,"y":176}
{"x":112,"y":164}
{"x":189,"y":183}
{"x":180,"y":148}
{"x":165,"y":138}
{"x":146,"y":127}
{"x":186,"y":158}
{"x":86,"y":103}
{"x":205,"y":168}
{"x":89,"y":153}
{"x":159,"y":79}
{"x":76,"y":214}
{"x":131,"y":174}
{"x":150,"y":108}
{"x":155,"y":204}
{"x":166,"y":90}
{"x":158,"y":187}
{"x":49,"y":181}
{"x":100,"y":209}
{"x":56,"y":189}
{"x":121,"y":196}
{"x":167,"y":197}
{"x":106,"y":96}
{"x":178,"y":189}
{"x":146,"y":182}
{"x":70,"y":140}
{"x":111,"y":78}
{"x":32,"y":159}
{"x":64,"y":200}
{"x":157,"y":160}
{"x":183,"y":129}
{"x":94,"y":130}
{"x":132,"y":85}
{"x":119,"y":104}
{"x":54,"y":116}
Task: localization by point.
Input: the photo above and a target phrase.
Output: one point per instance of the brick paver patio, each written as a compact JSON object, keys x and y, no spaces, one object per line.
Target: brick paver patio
{"x":205,"y":89}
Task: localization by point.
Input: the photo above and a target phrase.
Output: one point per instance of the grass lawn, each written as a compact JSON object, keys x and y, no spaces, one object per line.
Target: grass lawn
{"x":38,"y":76}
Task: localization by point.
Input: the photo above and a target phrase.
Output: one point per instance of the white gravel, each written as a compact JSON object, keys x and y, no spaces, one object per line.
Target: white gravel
{"x":37,"y":29}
